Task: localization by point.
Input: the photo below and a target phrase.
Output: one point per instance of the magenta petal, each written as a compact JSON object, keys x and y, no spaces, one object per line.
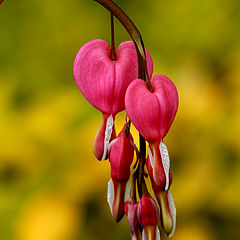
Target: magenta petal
{"x":103,"y":82}
{"x":121,"y":157}
{"x":167,"y":95}
{"x":152,"y":113}
{"x":142,"y":107}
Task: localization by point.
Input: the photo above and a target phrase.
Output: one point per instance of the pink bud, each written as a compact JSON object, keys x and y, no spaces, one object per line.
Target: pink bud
{"x":149,"y":216}
{"x":168,"y":212}
{"x":133,"y":222}
{"x":121,"y":157}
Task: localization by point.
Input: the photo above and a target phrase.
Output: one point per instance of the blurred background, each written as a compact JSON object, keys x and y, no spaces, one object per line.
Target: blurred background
{"x":51,"y":187}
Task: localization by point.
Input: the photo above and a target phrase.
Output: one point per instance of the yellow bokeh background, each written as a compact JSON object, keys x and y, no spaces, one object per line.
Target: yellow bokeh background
{"x":51,"y":186}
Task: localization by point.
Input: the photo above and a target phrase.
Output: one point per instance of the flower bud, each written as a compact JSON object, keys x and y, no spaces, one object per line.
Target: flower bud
{"x":121,"y":157}
{"x":167,"y":212}
{"x":133,"y":221}
{"x":148,"y":216}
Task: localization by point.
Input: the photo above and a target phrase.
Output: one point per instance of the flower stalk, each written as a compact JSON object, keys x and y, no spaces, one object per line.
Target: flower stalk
{"x":113,"y":54}
{"x":113,"y":80}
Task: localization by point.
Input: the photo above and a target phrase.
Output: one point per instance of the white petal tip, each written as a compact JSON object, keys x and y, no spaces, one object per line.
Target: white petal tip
{"x":158,"y":236}
{"x":150,"y":156}
{"x":165,"y":162}
{"x":144,"y":237}
{"x":110,"y":194}
{"x":108,"y":134}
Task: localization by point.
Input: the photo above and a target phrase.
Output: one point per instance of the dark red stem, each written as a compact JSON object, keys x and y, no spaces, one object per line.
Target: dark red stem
{"x":113,"y":54}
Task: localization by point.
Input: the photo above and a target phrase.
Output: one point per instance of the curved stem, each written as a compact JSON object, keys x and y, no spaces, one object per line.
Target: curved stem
{"x":134,"y":34}
{"x":113,"y":54}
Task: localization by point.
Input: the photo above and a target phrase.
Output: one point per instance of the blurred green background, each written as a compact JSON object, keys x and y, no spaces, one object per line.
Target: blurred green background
{"x":51,"y":187}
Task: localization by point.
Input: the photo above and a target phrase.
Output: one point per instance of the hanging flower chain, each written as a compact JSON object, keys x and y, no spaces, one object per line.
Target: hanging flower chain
{"x":112,"y":81}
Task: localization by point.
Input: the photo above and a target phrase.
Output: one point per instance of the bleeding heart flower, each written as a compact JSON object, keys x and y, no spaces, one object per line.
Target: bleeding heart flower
{"x":121,"y":157}
{"x":103,"y":82}
{"x":148,"y":216}
{"x":152,"y":113}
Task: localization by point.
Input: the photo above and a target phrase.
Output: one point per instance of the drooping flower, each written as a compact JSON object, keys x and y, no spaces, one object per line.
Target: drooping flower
{"x":121,"y":157}
{"x":103,"y":82}
{"x":164,"y":199}
{"x":152,"y":113}
{"x":148,"y":216}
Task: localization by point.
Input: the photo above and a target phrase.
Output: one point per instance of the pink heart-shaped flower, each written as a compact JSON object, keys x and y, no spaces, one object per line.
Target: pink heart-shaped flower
{"x":103,"y":81}
{"x":152,"y":113}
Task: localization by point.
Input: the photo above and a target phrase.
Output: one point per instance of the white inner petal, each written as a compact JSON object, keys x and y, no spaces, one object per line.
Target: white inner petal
{"x":110,"y":194}
{"x":173,"y":212}
{"x":108,"y":134}
{"x":165,"y":162}
{"x":127,"y":194}
{"x":158,"y":237}
{"x":144,"y":237}
{"x":134,"y":237}
{"x":150,"y":156}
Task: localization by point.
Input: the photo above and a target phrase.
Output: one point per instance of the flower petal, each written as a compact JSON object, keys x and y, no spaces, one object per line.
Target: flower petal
{"x":144,"y":237}
{"x":158,"y":236}
{"x":150,"y":156}
{"x":173,"y":212}
{"x":127,"y":195}
{"x":165,"y":162}
{"x":110,"y":195}
{"x":108,"y":134}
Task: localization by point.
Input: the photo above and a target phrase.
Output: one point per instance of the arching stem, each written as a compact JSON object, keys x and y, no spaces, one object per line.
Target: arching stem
{"x":113,"y":54}
{"x":134,"y":34}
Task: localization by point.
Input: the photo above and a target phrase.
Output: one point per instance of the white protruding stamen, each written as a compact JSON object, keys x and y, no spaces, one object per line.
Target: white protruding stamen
{"x":150,"y":156}
{"x":108,"y":134}
{"x":165,"y":162}
{"x":173,"y":212}
{"x":144,"y":237}
{"x":127,"y":194}
{"x":110,"y":194}
{"x":158,"y":237}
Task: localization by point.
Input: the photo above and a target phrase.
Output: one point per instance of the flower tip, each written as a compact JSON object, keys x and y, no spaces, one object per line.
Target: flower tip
{"x":105,"y":134}
{"x":168,"y":212}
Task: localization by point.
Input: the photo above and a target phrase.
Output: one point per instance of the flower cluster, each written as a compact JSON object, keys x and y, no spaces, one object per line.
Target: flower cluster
{"x":112,"y":85}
